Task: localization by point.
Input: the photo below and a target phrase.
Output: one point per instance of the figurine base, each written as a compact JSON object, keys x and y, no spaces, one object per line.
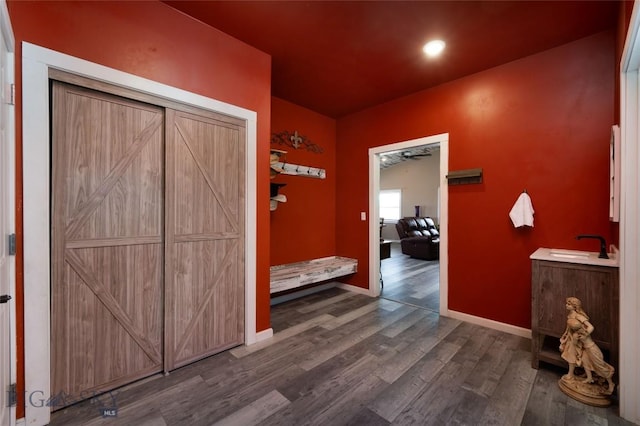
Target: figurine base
{"x":595,"y":394}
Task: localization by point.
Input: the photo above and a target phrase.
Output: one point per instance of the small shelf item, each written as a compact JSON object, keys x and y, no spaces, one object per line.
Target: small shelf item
{"x":275,"y":156}
{"x":274,"y":188}
{"x":276,"y":198}
{"x":462,"y":177}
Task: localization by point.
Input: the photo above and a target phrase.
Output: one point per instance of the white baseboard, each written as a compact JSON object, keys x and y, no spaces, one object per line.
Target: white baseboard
{"x":495,"y":325}
{"x":263,"y":335}
{"x":354,"y":289}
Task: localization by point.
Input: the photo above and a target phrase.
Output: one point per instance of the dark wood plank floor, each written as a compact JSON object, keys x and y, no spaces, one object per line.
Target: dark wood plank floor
{"x":411,"y":281}
{"x":340,"y":358}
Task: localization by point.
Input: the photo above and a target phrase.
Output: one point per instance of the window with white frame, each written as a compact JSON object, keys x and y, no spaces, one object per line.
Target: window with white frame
{"x":390,"y":204}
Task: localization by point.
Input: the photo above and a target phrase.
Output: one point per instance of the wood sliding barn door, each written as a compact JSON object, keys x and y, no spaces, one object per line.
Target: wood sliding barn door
{"x":107,"y":249}
{"x":148,"y":212}
{"x":204,"y":302}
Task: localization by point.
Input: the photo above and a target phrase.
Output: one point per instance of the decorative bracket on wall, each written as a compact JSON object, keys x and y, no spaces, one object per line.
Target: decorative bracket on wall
{"x":462,"y":177}
{"x":295,"y":141}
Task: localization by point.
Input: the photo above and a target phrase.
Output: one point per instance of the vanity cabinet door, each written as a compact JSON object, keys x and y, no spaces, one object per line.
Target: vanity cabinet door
{"x":597,"y":289}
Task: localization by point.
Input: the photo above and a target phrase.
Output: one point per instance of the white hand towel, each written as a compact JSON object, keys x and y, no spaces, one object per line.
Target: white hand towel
{"x":522,"y":211}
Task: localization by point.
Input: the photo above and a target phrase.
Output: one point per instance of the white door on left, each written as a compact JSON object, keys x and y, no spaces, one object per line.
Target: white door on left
{"x":7,"y":214}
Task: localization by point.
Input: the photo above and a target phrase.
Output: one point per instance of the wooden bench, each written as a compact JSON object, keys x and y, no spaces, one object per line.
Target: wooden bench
{"x":298,"y":274}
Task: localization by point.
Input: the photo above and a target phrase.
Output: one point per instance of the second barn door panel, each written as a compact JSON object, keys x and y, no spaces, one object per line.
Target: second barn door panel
{"x":204,"y":236}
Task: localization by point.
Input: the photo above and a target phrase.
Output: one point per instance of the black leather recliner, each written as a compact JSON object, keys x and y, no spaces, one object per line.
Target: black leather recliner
{"x":419,"y":237}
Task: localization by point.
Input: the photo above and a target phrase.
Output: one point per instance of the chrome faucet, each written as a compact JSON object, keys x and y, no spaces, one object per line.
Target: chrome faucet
{"x":603,"y":244}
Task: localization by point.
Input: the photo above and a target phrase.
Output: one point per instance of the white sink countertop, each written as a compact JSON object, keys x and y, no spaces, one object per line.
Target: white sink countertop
{"x":576,"y":256}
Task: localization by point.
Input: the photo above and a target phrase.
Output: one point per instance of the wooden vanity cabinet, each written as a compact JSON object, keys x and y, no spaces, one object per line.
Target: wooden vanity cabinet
{"x":597,"y":289}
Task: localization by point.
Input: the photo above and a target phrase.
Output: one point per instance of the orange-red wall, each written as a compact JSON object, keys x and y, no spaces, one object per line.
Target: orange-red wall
{"x":152,"y":40}
{"x":541,"y":123}
{"x":304,"y":227}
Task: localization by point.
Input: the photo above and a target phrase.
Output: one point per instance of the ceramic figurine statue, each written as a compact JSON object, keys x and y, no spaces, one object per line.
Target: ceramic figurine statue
{"x":579,"y":350}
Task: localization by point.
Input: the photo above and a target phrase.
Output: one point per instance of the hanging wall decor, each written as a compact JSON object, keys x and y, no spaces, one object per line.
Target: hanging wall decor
{"x":295,"y":141}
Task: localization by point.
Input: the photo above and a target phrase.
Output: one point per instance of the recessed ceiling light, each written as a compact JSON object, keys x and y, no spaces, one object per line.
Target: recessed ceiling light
{"x":433,"y":48}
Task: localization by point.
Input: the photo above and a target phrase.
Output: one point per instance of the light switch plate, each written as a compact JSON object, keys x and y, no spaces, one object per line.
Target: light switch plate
{"x":363,"y":215}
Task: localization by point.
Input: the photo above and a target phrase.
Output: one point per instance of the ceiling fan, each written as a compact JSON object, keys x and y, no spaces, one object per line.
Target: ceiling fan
{"x":415,"y":155}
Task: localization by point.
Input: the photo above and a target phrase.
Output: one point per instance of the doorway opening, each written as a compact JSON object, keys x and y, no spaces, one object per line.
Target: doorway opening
{"x":395,"y":275}
{"x":410,"y":204}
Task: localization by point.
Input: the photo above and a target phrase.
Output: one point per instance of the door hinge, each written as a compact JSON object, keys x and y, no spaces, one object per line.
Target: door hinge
{"x":10,"y":94}
{"x":12,"y":244}
{"x":12,"y":395}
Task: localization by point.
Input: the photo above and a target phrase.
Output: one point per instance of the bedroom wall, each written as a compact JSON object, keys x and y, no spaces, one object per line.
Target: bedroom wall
{"x":541,"y":123}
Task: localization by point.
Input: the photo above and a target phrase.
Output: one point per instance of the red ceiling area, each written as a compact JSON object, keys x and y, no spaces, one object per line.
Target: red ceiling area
{"x":339,"y":57}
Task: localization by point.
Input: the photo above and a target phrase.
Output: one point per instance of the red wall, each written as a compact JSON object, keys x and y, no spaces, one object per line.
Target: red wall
{"x":304,"y":227}
{"x":541,"y":123}
{"x":152,"y":40}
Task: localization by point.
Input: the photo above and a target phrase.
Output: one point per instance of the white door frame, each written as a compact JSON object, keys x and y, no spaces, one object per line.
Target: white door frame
{"x":629,"y":369}
{"x":7,"y":157}
{"x":36,"y":62}
{"x":374,"y":212}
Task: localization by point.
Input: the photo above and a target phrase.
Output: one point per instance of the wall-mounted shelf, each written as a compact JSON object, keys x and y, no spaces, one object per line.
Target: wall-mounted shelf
{"x":299,"y":170}
{"x":463,"y":177}
{"x":279,"y":166}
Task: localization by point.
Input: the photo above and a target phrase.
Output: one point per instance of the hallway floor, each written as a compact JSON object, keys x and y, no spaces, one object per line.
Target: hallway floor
{"x":340,"y":358}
